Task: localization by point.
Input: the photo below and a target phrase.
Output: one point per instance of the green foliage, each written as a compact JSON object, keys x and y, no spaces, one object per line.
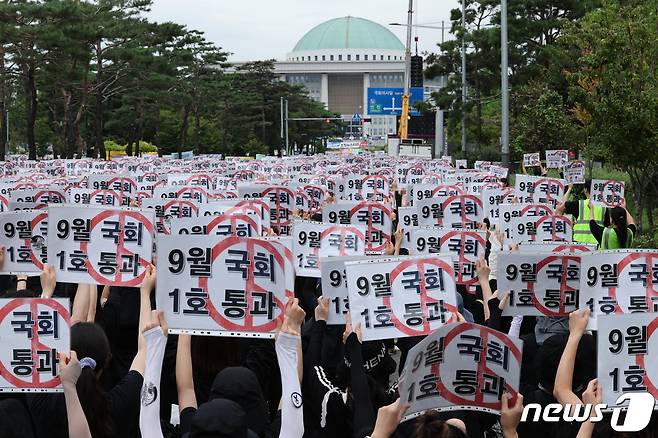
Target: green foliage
{"x":539,"y":120}
{"x":112,"y":146}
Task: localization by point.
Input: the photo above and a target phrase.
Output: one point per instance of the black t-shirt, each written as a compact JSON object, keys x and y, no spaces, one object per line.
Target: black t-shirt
{"x":49,"y":410}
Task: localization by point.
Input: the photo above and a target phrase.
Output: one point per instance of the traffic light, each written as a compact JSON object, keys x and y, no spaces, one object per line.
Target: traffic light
{"x":416,"y":71}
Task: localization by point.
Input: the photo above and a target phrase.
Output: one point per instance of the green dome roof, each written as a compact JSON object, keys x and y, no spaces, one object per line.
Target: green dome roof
{"x":349,"y":33}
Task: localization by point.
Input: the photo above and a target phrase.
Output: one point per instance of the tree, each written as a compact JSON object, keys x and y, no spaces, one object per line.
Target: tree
{"x":539,"y":119}
{"x":615,"y":90}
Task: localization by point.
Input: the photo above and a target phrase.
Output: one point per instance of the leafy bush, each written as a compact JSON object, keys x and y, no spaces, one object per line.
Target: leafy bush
{"x":111,"y":145}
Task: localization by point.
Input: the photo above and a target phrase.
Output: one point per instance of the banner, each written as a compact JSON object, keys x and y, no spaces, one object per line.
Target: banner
{"x":627,"y":355}
{"x":33,"y":332}
{"x":401,"y":296}
{"x":539,"y":284}
{"x":24,"y":235}
{"x":607,"y":193}
{"x":100,"y":245}
{"x":465,"y":248}
{"x":312,"y":240}
{"x":223,"y":286}
{"x":619,"y":281}
{"x":461,"y":365}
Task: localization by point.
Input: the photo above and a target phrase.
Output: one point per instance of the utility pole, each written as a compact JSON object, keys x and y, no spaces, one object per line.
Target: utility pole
{"x":286,"y":113}
{"x":404,"y":117}
{"x":282,"y":135}
{"x":464,"y":77}
{"x":504,"y":85}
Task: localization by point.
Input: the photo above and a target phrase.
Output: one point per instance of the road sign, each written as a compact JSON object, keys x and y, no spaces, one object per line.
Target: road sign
{"x":383,"y":101}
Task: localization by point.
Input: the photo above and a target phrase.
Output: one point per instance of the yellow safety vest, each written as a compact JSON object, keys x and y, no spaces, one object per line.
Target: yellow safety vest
{"x":610,"y":239}
{"x":581,"y":231}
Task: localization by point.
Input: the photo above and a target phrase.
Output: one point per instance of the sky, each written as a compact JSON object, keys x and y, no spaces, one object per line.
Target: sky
{"x":264,"y":29}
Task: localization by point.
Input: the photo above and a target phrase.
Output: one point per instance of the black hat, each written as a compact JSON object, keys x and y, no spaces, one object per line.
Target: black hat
{"x":220,"y":418}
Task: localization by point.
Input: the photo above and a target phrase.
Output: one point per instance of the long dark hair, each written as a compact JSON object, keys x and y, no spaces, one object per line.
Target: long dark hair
{"x":89,"y":340}
{"x":618,"y":219}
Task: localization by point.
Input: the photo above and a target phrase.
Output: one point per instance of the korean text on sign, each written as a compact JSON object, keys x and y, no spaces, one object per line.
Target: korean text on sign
{"x":539,"y":284}
{"x":401,"y":296}
{"x":223,"y":286}
{"x":100,"y":245}
{"x":461,"y":365}
{"x":23,"y":234}
{"x":627,"y":355}
{"x":32,"y":332}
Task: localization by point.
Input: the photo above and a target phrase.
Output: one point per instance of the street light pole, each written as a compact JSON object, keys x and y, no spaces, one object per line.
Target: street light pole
{"x":464,"y":77}
{"x":504,"y":84}
{"x":286,"y":133}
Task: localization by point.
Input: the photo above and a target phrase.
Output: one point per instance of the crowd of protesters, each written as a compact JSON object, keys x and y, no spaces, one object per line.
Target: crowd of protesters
{"x":126,"y":377}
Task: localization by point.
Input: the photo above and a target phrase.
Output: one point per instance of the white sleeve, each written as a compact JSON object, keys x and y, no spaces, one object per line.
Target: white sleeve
{"x":515,"y":327}
{"x":493,"y":256}
{"x":149,"y":414}
{"x":292,"y":413}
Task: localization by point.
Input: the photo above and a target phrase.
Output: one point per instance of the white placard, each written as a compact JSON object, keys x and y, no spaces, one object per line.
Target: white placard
{"x":24,"y":236}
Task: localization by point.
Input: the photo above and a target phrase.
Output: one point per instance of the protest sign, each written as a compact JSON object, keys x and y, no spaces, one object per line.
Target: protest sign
{"x":312,"y":240}
{"x":556,"y":159}
{"x":375,"y":188}
{"x":461,"y":164}
{"x":461,"y":366}
{"x":418,"y":192}
{"x":281,"y":203}
{"x":540,"y":229}
{"x":23,"y":234}
{"x":619,"y":281}
{"x":376,"y":217}
{"x":407,"y":217}
{"x":166,"y":209}
{"x":531,"y":160}
{"x":401,"y":296}
{"x":98,"y":197}
{"x":539,"y":284}
{"x":539,"y":247}
{"x":491,"y":200}
{"x":100,"y":245}
{"x":574,"y":172}
{"x":607,"y":193}
{"x":334,"y":286}
{"x":499,"y":171}
{"x":241,"y":225}
{"x":465,"y":248}
{"x":539,"y":190}
{"x":33,"y":331}
{"x":124,"y":183}
{"x":187,"y":193}
{"x":191,"y":179}
{"x":508,"y":213}
{"x":627,"y":354}
{"x":223,"y":286}
{"x":37,"y":199}
{"x":460,"y":211}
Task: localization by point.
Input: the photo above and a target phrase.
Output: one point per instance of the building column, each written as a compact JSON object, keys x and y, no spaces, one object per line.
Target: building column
{"x":366,"y":85}
{"x":324,"y":90}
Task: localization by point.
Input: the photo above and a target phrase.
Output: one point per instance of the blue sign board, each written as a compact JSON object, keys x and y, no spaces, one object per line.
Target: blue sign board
{"x":383,"y":101}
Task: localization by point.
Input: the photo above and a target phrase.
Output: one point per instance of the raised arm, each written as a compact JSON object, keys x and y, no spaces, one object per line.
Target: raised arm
{"x":48,"y":281}
{"x":563,"y":391}
{"x":483,"y":271}
{"x":287,"y":348}
{"x":184,"y":376}
{"x":80,"y":304}
{"x":69,"y":373}
{"x":155,"y":336}
{"x":139,"y":362}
